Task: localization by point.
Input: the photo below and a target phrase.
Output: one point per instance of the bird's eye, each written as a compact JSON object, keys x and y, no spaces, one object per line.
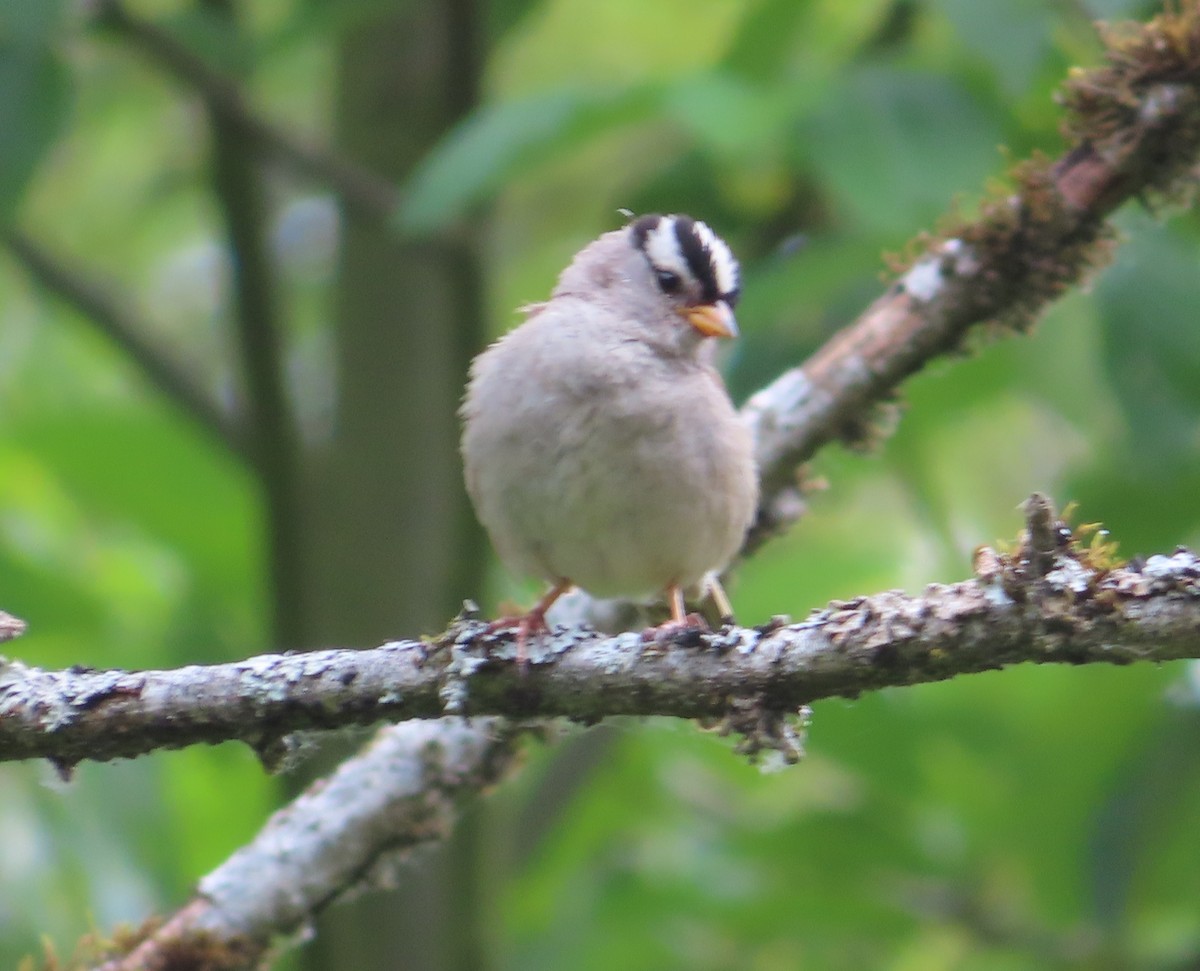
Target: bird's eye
{"x":668,"y":282}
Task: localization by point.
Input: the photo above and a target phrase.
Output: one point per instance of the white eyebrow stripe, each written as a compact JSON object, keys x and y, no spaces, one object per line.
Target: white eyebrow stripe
{"x":662,"y":248}
{"x":674,"y":243}
{"x":724,"y":264}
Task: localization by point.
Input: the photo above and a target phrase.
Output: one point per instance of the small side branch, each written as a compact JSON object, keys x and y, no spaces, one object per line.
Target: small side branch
{"x":10,"y":626}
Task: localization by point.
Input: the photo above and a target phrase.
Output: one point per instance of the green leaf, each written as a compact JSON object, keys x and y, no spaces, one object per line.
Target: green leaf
{"x":27,"y":23}
{"x":1013,"y":38}
{"x":773,"y":40}
{"x":35,"y":86}
{"x":766,"y":39}
{"x":729,"y":113}
{"x":1135,"y":828}
{"x":1147,"y":310}
{"x":894,"y":146}
{"x":485,"y":150}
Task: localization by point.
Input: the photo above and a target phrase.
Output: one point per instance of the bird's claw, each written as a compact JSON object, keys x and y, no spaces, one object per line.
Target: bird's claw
{"x":683,"y":631}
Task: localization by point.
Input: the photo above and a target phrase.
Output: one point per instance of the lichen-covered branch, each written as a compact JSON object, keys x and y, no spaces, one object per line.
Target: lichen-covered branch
{"x":345,"y":834}
{"x":1133,"y":130}
{"x":1054,"y":601}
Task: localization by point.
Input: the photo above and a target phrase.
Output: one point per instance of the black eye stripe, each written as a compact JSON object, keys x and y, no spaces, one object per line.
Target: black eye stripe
{"x":693,"y":252}
{"x":697,"y":257}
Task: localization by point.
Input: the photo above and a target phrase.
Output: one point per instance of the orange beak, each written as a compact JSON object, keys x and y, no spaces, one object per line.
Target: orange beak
{"x":713,"y":319}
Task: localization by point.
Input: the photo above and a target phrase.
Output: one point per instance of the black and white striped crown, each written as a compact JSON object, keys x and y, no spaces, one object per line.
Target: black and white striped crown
{"x":681,"y":248}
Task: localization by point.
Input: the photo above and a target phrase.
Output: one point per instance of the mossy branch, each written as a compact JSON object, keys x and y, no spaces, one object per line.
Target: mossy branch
{"x":1133,"y":132}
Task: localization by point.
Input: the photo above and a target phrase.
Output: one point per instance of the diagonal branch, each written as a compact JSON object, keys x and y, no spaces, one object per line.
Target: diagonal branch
{"x":1133,"y":128}
{"x":104,"y":312}
{"x":360,"y":190}
{"x":350,"y":831}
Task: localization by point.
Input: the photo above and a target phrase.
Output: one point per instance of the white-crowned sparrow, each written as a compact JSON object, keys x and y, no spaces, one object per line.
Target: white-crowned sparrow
{"x":600,"y":446}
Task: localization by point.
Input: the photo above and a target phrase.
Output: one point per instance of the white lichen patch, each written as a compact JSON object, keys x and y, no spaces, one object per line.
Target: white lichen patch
{"x":924,"y":281}
{"x":746,"y":641}
{"x":315,"y":664}
{"x":927,"y":277}
{"x":618,"y":654}
{"x":453,"y":692}
{"x":1071,"y":575}
{"x":1159,"y":567}
{"x":782,"y":397}
{"x":996,"y":595}
{"x":255,"y":681}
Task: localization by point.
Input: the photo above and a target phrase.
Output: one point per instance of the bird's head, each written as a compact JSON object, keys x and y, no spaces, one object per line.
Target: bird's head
{"x":692,"y":269}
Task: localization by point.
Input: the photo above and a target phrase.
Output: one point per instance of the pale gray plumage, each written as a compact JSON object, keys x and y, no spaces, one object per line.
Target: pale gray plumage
{"x":600,"y":445}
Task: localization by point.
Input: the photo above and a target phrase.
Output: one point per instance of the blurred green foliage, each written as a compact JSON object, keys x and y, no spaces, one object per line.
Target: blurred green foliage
{"x":1029,"y":819}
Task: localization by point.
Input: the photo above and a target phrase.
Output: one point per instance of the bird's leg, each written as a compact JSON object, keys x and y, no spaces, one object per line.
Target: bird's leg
{"x":678,"y":607}
{"x":712,"y":584}
{"x":531,"y":622}
{"x":534,"y":622}
{"x":680,"y":621}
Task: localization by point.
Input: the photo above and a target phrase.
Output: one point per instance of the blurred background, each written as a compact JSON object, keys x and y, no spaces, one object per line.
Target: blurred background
{"x":250,"y":248}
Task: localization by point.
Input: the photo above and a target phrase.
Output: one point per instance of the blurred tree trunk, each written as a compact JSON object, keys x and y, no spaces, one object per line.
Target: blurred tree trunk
{"x":394,"y":548}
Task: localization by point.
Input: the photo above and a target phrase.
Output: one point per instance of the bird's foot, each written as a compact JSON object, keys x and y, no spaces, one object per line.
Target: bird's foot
{"x":529,"y":624}
{"x":533,"y":622}
{"x":685,"y":630}
{"x":682,"y":627}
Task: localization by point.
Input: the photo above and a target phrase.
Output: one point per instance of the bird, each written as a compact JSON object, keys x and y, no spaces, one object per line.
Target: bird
{"x":600,"y":446}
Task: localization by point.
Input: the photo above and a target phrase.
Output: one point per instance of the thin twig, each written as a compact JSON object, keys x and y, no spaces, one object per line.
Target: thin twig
{"x":270,"y":422}
{"x":360,"y":190}
{"x":103,"y":311}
